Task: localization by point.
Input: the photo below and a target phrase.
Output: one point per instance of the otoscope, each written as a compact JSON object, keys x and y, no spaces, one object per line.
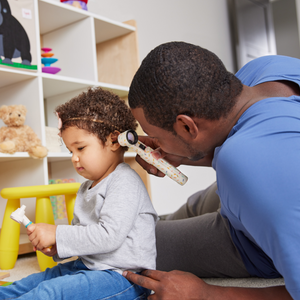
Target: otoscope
{"x":19,"y":216}
{"x":130,"y":139}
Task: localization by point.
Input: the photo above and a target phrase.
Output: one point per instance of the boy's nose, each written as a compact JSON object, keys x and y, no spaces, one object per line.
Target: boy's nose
{"x":75,"y":158}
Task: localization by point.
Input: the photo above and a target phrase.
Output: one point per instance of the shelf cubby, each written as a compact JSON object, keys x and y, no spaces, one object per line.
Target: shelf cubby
{"x":92,"y":50}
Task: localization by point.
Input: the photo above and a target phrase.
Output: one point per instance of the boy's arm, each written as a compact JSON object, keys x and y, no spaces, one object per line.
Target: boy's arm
{"x":106,"y":232}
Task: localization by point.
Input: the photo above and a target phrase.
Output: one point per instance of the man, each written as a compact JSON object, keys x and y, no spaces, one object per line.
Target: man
{"x":248,"y":128}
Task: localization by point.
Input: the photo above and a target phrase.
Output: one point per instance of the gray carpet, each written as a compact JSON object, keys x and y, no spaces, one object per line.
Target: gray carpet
{"x":245,"y":282}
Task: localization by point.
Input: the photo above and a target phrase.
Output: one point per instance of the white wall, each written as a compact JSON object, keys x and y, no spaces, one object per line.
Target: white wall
{"x":201,"y":22}
{"x":286,"y":27}
{"x":298,"y":13}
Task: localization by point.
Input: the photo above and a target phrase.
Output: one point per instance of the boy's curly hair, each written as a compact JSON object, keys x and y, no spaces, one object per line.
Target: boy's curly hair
{"x":98,"y":111}
{"x":180,"y":78}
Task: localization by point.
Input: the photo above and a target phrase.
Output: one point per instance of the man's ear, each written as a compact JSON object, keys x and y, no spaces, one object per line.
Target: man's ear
{"x":113,"y":140}
{"x":186,"y":127}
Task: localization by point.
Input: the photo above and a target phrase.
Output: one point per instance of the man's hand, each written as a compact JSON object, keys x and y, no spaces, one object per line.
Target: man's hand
{"x":174,"y":285}
{"x":42,"y":235}
{"x":157,"y":153}
{"x":174,"y":160}
{"x":178,"y":285}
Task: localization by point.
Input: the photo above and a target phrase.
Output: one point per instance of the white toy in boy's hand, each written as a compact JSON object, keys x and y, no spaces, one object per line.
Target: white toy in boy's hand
{"x":19,"y":216}
{"x":129,"y":138}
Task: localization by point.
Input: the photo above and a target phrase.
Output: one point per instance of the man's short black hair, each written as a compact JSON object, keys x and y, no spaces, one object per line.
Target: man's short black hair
{"x":180,"y":78}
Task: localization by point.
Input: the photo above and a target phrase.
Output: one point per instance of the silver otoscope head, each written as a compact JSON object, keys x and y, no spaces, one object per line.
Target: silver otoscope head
{"x":128,"y":138}
{"x":131,"y":137}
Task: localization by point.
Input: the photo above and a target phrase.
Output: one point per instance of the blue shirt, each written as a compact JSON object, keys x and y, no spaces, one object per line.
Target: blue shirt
{"x":258,"y":176}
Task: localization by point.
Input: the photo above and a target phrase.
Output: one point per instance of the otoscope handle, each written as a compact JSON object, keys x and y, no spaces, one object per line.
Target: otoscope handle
{"x":129,"y":138}
{"x":26,"y":221}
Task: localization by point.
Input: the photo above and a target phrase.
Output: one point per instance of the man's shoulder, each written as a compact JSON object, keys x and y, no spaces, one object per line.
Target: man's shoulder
{"x":270,"y":68}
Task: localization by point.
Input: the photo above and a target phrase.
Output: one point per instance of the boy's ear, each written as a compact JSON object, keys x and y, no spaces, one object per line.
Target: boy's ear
{"x":113,"y":140}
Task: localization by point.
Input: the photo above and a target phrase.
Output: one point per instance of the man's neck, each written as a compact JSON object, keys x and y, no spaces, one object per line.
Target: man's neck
{"x":251,"y":95}
{"x":280,"y":88}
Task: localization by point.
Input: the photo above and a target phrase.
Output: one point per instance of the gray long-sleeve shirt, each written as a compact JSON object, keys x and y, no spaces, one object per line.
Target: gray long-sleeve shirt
{"x":113,"y":226}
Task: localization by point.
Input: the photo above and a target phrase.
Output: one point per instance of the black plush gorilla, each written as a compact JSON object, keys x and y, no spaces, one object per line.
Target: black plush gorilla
{"x":14,"y":41}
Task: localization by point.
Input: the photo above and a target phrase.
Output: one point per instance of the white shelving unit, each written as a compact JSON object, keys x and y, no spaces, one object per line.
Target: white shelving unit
{"x":86,"y":46}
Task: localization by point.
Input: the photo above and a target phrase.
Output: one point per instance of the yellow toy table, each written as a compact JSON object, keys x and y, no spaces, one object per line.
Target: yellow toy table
{"x":10,"y":232}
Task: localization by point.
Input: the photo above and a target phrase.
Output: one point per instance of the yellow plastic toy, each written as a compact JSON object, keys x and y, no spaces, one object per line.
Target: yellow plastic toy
{"x":10,"y":232}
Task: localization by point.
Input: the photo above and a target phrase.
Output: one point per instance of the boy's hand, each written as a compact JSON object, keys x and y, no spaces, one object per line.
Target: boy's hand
{"x":50,"y":251}
{"x":42,"y":235}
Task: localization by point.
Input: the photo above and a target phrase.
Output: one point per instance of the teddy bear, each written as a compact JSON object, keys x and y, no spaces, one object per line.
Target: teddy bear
{"x":17,"y":137}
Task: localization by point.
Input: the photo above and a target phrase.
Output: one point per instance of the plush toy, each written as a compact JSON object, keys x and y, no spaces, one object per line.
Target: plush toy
{"x":17,"y":136}
{"x":76,"y":3}
{"x":14,"y":41}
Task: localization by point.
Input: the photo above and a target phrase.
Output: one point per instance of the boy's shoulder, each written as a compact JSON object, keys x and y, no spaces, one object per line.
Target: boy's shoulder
{"x":125,"y":170}
{"x":123,"y":174}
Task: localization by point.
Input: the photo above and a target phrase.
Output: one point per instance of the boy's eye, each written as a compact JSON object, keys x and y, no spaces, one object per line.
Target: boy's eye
{"x":81,"y":148}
